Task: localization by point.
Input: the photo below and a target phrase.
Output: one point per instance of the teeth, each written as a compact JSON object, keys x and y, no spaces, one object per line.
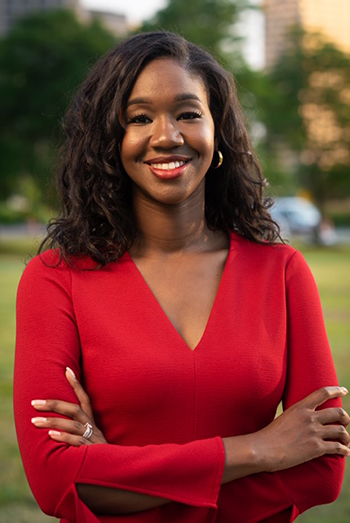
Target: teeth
{"x":168,"y":166}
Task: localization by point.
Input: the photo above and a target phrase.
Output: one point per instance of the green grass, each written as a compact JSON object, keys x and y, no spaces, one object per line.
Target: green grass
{"x":331,"y":270}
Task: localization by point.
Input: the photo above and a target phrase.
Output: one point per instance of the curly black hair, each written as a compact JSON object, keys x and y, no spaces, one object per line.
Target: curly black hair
{"x":97,"y":217}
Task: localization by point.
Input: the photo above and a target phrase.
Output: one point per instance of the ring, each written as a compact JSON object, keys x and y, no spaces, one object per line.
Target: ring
{"x":88,"y":431}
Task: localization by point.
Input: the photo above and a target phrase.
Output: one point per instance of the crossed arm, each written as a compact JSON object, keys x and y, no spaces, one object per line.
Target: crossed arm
{"x":300,"y":434}
{"x":190,"y":473}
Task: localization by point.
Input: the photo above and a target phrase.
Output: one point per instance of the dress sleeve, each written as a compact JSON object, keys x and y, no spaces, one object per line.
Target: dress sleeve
{"x":309,"y":367}
{"x":47,"y":342}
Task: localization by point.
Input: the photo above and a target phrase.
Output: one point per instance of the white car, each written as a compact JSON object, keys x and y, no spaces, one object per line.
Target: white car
{"x":297,"y":216}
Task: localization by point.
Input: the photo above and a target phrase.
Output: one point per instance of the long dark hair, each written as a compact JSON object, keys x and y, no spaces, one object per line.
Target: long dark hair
{"x":97,"y":217}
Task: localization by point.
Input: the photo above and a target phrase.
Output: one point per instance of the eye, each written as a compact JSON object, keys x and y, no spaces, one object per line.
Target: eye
{"x":190,"y":115}
{"x":139,"y":118}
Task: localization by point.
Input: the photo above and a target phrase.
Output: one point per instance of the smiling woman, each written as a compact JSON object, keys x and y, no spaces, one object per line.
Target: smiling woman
{"x":169,"y":134}
{"x":165,"y":323}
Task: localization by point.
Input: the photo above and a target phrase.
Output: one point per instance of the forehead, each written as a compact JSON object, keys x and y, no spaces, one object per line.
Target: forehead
{"x":166,"y":77}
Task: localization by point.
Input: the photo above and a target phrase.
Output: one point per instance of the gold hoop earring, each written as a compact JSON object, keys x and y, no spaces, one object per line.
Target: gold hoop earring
{"x":221,"y":159}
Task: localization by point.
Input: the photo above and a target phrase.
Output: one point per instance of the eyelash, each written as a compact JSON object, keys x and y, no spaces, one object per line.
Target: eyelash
{"x":189,"y":115}
{"x":137,"y":118}
{"x":192,"y":115}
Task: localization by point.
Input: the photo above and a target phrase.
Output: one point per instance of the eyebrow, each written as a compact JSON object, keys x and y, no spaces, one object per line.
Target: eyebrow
{"x":183,"y":97}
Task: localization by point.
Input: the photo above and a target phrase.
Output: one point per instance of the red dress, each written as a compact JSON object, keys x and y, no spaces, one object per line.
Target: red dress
{"x":163,"y":407}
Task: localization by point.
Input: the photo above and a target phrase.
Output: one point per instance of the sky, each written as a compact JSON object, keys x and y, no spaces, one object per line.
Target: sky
{"x":252,"y":25}
{"x":135,"y":10}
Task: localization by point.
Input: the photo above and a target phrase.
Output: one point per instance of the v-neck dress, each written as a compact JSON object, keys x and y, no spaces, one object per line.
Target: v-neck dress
{"x":163,"y":407}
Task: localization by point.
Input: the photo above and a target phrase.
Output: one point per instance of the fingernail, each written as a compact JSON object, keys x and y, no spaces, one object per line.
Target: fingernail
{"x":37,"y":403}
{"x":344,"y":389}
{"x":54,"y":433}
{"x":38,"y":420}
{"x":68,"y":369}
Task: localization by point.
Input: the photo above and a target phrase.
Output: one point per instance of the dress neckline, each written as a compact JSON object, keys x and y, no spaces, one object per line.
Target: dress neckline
{"x":161,"y":312}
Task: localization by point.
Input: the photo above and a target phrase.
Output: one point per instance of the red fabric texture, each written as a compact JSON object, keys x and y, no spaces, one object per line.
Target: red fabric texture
{"x":162,"y":407}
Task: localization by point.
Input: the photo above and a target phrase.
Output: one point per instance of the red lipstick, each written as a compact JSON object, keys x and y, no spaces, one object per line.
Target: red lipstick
{"x":168,"y":167}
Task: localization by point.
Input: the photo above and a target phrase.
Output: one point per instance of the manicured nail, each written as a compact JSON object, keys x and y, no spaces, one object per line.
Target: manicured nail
{"x":69,"y":370}
{"x":38,"y":420}
{"x":54,"y":433}
{"x":37,"y":403}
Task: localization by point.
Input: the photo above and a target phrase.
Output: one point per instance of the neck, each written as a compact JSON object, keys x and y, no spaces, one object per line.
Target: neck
{"x":170,"y":228}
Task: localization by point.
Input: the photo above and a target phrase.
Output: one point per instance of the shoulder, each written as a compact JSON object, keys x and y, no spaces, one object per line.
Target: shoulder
{"x":49,"y":269}
{"x":274,"y":260}
{"x":48,"y":277}
{"x":47,"y":261}
{"x":43,"y":272}
{"x":51,"y":257}
{"x":51,"y":261}
{"x":263,"y":251}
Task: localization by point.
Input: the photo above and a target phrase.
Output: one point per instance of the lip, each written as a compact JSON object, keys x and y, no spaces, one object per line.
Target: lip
{"x":168,"y":159}
{"x":168,"y":174}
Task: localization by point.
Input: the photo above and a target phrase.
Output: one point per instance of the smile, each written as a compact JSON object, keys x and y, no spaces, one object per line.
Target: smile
{"x":168,"y":166}
{"x":168,"y":170}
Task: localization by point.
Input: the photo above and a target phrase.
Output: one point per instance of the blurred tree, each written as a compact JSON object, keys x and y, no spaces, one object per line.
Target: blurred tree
{"x":306,"y":111}
{"x":42,"y":61}
{"x":209,"y":23}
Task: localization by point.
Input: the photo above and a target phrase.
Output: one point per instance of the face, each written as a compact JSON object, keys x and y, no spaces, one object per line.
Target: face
{"x":169,"y":134}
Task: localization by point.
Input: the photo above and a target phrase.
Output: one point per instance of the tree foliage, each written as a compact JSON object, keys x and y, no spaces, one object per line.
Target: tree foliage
{"x":42,"y":61}
{"x":307,"y":113}
{"x":209,"y":23}
{"x":299,"y":110}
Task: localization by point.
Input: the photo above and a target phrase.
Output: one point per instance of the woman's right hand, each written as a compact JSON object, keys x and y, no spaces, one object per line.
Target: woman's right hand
{"x":299,"y":434}
{"x":78,"y":417}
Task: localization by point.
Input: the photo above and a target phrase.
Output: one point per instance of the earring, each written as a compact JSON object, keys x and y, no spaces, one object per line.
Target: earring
{"x":221,"y":159}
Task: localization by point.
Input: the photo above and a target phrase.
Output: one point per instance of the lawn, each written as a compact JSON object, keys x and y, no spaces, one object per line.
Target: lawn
{"x":331,"y":270}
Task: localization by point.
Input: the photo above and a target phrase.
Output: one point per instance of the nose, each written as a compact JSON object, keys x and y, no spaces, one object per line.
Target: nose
{"x":165,"y":133}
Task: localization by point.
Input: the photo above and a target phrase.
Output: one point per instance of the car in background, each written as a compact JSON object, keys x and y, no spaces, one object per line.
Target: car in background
{"x":297,"y":216}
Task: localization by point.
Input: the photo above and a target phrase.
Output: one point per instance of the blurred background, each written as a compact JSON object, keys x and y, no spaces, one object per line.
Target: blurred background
{"x":291,"y":61}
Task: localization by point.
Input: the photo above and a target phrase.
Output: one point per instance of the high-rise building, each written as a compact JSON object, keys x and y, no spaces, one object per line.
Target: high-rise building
{"x":326,"y":143}
{"x":116,"y":23}
{"x":329,"y":17}
{"x":10,"y":10}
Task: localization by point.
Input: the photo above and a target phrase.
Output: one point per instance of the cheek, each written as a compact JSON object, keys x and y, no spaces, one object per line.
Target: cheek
{"x":206,"y":141}
{"x":207,"y":133}
{"x":130,"y":148}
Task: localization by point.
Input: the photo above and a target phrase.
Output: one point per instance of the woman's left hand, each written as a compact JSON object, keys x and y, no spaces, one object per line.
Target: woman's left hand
{"x":81,"y":420}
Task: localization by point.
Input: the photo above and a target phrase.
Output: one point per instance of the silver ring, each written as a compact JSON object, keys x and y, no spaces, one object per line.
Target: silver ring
{"x":88,"y":431}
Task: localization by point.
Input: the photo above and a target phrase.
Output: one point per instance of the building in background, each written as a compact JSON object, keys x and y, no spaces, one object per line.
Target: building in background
{"x":11,"y":10}
{"x":115,"y":23}
{"x":251,"y":28}
{"x":327,"y":138}
{"x":329,"y":17}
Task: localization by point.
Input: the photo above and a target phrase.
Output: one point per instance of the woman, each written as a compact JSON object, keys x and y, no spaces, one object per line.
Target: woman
{"x":169,"y":298}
